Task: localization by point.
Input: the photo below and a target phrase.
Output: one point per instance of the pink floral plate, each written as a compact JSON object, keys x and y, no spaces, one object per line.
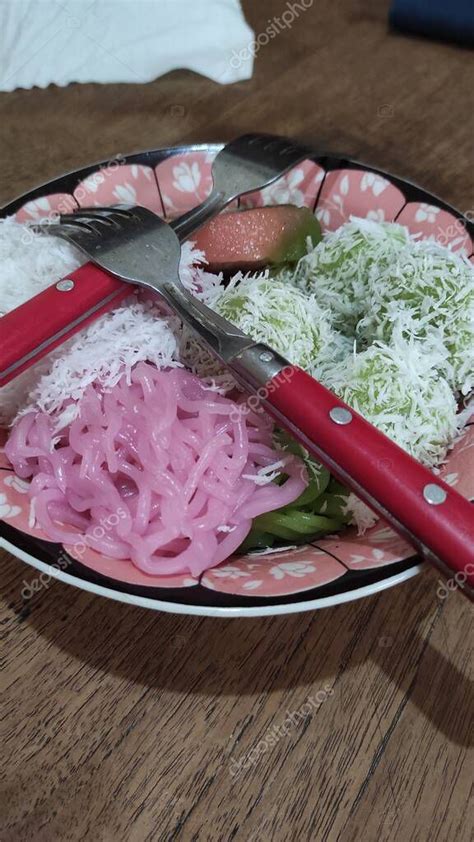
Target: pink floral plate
{"x":329,"y":571}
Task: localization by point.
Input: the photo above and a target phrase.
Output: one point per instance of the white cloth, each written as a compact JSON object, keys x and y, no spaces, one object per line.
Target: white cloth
{"x":63,"y":41}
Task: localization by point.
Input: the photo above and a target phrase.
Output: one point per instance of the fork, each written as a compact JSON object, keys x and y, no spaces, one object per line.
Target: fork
{"x":142,"y":249}
{"x":248,"y":163}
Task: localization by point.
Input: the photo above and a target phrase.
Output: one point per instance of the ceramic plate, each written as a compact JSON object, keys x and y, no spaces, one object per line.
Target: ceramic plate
{"x":330,"y":571}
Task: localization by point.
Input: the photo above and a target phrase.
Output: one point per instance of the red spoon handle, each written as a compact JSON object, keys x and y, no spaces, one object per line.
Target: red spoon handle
{"x":437,"y":520}
{"x":32,"y":330}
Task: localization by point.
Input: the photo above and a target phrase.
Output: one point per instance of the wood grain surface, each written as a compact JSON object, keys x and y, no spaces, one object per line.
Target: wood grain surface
{"x":122,"y":724}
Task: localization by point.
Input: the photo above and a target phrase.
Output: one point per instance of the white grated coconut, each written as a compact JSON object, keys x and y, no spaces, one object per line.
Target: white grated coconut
{"x":426,"y":290}
{"x":398,"y":388}
{"x":30,"y":262}
{"x":336,"y":270}
{"x":285,"y":318}
{"x":104,"y":350}
{"x":359,"y":513}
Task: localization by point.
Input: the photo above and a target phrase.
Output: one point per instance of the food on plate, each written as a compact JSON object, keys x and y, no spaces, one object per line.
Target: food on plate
{"x":399,"y":389}
{"x":375,"y":279}
{"x":425,"y":291}
{"x":176,"y":470}
{"x":133,"y":413}
{"x":258,"y":237}
{"x":29,"y":263}
{"x":282,"y":316}
{"x":320,"y":509}
{"x":338,"y":271}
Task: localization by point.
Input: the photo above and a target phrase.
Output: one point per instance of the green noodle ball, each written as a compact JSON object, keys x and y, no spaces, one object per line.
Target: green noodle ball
{"x":281,"y":316}
{"x":399,"y":390}
{"x":337,"y":270}
{"x":426,"y":290}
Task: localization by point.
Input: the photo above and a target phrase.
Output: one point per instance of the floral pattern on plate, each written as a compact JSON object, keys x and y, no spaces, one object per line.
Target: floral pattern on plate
{"x":348,"y":193}
{"x":185,"y":180}
{"x":125,"y":571}
{"x":132,"y":184}
{"x":274,"y":574}
{"x":433,"y":223}
{"x":46,"y":206}
{"x":379,"y":546}
{"x":300,"y":186}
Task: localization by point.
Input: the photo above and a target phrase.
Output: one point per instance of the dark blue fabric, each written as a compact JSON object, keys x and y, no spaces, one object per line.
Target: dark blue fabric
{"x":451,"y":20}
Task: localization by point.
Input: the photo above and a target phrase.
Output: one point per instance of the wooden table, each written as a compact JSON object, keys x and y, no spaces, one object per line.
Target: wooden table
{"x":122,"y":724}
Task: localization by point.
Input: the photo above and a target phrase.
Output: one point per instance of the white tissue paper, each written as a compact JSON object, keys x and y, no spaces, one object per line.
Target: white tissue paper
{"x":63,"y":41}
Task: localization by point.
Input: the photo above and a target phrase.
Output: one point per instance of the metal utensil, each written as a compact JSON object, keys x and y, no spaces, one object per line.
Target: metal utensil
{"x":247,"y":163}
{"x":138,"y":246}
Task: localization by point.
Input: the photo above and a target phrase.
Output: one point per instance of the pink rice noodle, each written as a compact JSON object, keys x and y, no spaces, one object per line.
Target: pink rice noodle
{"x":158,"y":472}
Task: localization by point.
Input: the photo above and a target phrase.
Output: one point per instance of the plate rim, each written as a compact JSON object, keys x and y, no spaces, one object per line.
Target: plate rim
{"x":330,"y":162}
{"x":209,"y":610}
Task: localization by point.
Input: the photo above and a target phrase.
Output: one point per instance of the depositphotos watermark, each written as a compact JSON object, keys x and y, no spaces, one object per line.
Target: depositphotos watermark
{"x":457,"y":581}
{"x":276,"y":732}
{"x":456,"y":229}
{"x":253,"y":403}
{"x":276,"y":26}
{"x":74,"y":552}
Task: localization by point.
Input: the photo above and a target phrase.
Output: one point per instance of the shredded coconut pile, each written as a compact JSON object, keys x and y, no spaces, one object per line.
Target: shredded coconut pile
{"x":337,"y":270}
{"x":426,"y":290}
{"x":193,"y":274}
{"x":375,"y":277}
{"x":103,"y":351}
{"x":284,"y":317}
{"x":398,"y":388}
{"x":30,"y":262}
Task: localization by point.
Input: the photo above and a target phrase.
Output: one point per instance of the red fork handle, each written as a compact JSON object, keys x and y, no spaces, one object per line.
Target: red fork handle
{"x":32,"y":330}
{"x":431,"y":515}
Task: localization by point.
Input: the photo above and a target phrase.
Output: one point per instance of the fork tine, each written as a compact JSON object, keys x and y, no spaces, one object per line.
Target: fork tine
{"x":95,"y":218}
{"x":75,"y":234}
{"x":101,"y":213}
{"x":87,"y":223}
{"x":284,"y":147}
{"x":50,"y":227}
{"x":71,"y":218}
{"x":81,"y":224}
{"x":79,"y":218}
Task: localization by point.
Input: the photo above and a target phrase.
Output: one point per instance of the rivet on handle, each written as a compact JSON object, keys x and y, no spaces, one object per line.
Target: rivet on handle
{"x":65,"y":286}
{"x":434,"y":494}
{"x":266,"y":356}
{"x":340,"y":415}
